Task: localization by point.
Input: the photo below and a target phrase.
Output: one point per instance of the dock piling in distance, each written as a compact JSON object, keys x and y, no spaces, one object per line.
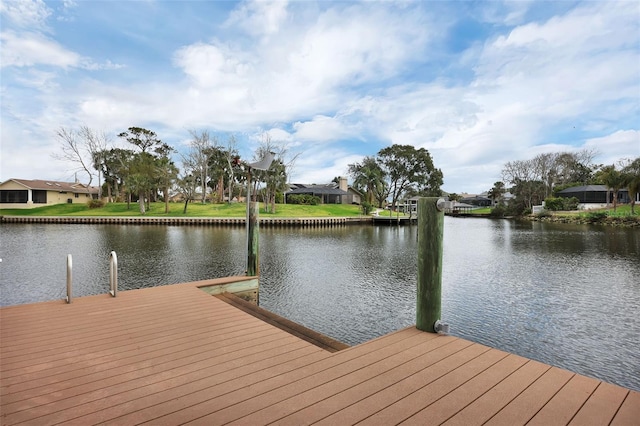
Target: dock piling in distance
{"x":429,"y":286}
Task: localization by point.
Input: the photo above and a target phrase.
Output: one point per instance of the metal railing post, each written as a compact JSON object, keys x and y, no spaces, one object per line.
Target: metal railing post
{"x":113,"y":274}
{"x":69,"y":277}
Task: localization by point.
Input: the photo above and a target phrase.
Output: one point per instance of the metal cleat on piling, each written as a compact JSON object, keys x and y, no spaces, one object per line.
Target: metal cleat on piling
{"x":441,"y":328}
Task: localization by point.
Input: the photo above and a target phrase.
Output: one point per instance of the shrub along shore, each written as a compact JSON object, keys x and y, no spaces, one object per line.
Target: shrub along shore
{"x":597,"y":217}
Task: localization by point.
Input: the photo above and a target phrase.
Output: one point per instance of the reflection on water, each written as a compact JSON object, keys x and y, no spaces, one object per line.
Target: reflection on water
{"x":563,"y":294}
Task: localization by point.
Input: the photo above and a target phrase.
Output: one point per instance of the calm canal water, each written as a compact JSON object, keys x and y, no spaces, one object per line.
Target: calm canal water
{"x":566,"y":295}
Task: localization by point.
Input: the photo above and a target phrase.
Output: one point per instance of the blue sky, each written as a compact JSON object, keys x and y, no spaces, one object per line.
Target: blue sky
{"x":475,"y":83}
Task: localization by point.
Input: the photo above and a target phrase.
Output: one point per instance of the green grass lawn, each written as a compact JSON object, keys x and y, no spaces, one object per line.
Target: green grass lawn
{"x":621,"y":211}
{"x":624,"y":210}
{"x":239,"y":210}
{"x":482,"y":210}
{"x":193,"y":210}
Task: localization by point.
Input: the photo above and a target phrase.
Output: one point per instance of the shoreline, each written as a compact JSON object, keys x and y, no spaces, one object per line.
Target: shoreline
{"x":188,"y":221}
{"x":616,"y":221}
{"x":621,"y":221}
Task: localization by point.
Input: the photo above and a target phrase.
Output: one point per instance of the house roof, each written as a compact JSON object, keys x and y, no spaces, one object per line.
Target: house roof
{"x":51,"y":185}
{"x":318,"y":189}
{"x":586,"y":188}
{"x":476,"y":197}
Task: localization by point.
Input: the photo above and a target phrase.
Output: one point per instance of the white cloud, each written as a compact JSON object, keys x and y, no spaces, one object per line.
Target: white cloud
{"x":27,"y":14}
{"x":333,"y":162}
{"x":540,"y":76}
{"x":504,"y":12}
{"x":28,"y":49}
{"x":89,"y":64}
{"x":259,"y":18}
{"x":302,"y":70}
{"x":210,"y":66}
{"x":69,"y":4}
{"x":342,"y":80}
{"x":586,"y":28}
{"x":280,"y":136}
{"x":66,"y":11}
{"x":357,"y":45}
{"x":562,"y":67}
{"x":43,"y":81}
{"x":322,"y":128}
{"x":616,"y":146}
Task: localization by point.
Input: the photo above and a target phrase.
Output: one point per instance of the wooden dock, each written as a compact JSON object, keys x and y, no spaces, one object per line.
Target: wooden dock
{"x":394,"y":221}
{"x":176,"y":355}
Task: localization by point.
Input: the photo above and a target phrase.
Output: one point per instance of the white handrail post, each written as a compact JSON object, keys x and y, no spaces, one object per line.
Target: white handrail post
{"x":113,"y":273}
{"x":69,"y":277}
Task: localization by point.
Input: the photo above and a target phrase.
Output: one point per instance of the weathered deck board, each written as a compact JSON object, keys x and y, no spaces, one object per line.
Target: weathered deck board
{"x":174,"y":355}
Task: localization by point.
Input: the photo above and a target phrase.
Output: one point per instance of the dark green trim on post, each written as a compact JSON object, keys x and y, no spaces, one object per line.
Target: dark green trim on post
{"x":430,"y":237}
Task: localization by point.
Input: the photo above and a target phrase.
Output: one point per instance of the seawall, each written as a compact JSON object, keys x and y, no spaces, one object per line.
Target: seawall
{"x":187,"y":221}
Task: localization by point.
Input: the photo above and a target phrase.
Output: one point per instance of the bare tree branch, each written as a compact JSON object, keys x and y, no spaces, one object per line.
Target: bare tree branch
{"x":81,"y":147}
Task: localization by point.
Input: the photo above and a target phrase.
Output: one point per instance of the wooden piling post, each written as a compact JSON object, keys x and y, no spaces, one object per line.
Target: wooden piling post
{"x":253,"y":266}
{"x":430,"y":237}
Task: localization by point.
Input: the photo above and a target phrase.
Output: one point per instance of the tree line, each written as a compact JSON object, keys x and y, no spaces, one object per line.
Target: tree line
{"x":543,"y":176}
{"x":144,"y":171}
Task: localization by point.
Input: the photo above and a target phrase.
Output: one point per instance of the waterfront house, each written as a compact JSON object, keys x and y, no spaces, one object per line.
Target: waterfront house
{"x":331,"y":193}
{"x":28,"y":194}
{"x":595,"y":196}
{"x":481,"y":200}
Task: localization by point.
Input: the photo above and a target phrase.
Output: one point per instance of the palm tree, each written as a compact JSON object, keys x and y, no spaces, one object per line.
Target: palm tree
{"x":496,"y":192}
{"x":166,"y":174}
{"x":633,"y":181}
{"x":368,"y":175}
{"x":614,"y":180}
{"x":275,"y":180}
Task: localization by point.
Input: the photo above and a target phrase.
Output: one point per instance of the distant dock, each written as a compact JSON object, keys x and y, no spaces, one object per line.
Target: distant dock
{"x":394,"y":221}
{"x":175,"y":354}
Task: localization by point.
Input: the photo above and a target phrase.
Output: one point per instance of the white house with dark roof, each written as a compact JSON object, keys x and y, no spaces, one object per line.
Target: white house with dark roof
{"x":28,"y":194}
